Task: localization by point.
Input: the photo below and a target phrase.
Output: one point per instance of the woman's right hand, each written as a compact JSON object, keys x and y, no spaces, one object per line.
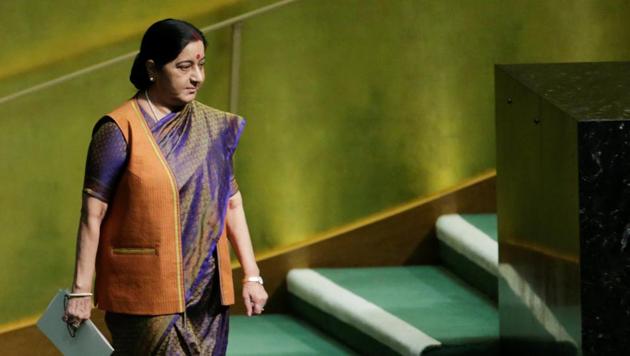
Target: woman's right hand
{"x":78,"y":310}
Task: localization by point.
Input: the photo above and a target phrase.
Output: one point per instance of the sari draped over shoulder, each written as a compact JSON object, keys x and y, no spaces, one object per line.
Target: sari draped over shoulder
{"x":198,"y":144}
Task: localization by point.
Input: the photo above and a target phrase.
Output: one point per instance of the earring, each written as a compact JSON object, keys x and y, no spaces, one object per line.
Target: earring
{"x":151,"y":79}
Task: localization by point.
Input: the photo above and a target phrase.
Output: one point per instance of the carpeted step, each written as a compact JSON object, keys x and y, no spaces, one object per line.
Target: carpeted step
{"x":468,"y":247}
{"x":411,"y":310}
{"x":279,"y":334}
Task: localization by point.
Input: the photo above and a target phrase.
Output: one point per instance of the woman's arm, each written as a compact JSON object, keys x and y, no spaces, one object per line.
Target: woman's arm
{"x":92,"y":213}
{"x":254,"y":294}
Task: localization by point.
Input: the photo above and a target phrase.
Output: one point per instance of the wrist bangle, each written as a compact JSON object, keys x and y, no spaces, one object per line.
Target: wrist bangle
{"x":257,"y":279}
{"x":78,"y":295}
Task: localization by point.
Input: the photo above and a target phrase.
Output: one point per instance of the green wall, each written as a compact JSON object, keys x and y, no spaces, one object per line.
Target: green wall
{"x":352,"y":106}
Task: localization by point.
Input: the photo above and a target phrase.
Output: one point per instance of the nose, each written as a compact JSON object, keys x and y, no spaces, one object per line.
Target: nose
{"x":197,"y":75}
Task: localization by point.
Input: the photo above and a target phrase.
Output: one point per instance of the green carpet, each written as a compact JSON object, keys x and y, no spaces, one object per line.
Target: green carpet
{"x":429,"y":298}
{"x":487,"y":223}
{"x":470,"y":272}
{"x":349,"y":333}
{"x":279,"y":334}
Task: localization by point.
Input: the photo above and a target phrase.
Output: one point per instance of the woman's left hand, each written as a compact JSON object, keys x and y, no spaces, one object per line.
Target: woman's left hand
{"x":255,"y":297}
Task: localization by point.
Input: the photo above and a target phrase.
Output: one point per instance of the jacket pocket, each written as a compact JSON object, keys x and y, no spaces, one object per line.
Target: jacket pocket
{"x":134,"y":250}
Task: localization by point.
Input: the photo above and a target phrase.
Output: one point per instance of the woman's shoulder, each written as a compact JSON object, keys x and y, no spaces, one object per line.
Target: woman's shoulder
{"x":209,"y":110}
{"x":122,"y":110}
{"x":227,"y":124}
{"x":106,"y":131}
{"x":214,"y":114}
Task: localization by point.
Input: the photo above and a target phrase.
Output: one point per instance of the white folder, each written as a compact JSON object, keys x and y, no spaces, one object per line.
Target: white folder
{"x":88,"y":340}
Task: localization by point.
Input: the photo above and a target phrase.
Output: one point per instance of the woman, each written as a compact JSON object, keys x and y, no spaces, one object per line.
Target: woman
{"x":159,"y":198}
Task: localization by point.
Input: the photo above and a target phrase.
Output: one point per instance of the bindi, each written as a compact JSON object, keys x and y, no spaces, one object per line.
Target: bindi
{"x":198,"y":56}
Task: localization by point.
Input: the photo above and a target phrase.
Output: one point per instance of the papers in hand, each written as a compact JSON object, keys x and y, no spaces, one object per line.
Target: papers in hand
{"x":88,"y":339}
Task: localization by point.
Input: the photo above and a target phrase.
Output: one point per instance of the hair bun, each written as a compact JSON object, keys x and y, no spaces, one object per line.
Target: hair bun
{"x":138,"y":76}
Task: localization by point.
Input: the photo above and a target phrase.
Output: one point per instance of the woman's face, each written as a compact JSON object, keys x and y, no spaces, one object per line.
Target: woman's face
{"x":178,"y":82}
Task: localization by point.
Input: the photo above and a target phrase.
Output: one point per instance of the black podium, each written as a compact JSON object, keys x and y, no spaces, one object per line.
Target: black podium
{"x":563,"y":200}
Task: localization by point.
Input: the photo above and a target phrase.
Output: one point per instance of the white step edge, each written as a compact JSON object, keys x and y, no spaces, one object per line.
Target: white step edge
{"x":326,"y":295}
{"x":468,"y":240}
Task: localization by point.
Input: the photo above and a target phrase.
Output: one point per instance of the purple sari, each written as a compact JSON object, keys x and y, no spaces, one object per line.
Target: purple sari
{"x":198,"y":143}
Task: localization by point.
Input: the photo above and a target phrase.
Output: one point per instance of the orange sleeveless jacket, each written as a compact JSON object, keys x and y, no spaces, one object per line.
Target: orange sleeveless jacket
{"x":139,"y":261}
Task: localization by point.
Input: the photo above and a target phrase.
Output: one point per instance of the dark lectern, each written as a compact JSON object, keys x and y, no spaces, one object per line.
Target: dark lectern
{"x":563,"y":199}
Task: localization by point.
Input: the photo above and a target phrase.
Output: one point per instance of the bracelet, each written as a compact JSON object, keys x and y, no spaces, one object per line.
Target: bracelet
{"x":78,"y":295}
{"x":257,"y":279}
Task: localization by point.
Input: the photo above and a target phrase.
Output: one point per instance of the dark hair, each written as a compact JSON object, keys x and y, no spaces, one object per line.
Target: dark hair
{"x":162,"y":42}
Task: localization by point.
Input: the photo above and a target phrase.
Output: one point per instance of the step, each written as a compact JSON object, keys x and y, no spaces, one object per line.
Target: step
{"x":279,"y":334}
{"x":410,"y":310}
{"x":469,"y":248}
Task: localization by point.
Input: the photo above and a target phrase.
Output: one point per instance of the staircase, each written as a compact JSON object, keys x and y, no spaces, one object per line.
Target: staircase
{"x":450,"y":309}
